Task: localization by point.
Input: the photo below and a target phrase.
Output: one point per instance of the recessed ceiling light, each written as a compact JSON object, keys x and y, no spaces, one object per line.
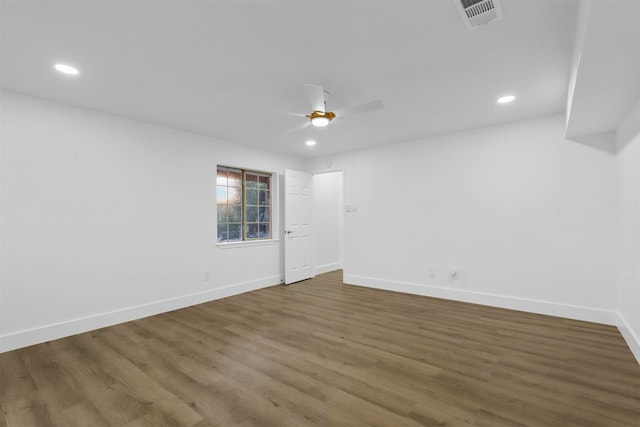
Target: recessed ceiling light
{"x":67,"y":69}
{"x":505,"y":99}
{"x":310,"y":143}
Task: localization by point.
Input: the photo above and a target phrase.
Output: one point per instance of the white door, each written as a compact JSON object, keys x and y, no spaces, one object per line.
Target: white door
{"x":297,"y":226}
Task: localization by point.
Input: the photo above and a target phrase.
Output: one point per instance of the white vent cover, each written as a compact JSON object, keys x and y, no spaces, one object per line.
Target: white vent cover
{"x":476,"y":13}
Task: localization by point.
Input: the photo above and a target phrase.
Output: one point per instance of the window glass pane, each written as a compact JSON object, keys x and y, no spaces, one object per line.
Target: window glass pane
{"x":235,"y":213}
{"x":223,"y":213}
{"x":252,"y":197}
{"x":221,"y":194}
{"x":264,"y":198}
{"x":264,"y":231}
{"x":263,"y":182}
{"x":252,"y":214}
{"x":234,"y":196}
{"x":235,"y":178}
{"x":252,"y":180}
{"x":222,"y":177}
{"x":235,"y":232}
{"x":222,"y":233}
{"x":252,"y":231}
{"x":264,"y":215}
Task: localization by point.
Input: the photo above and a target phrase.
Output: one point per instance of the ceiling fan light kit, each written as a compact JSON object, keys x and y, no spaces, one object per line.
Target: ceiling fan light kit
{"x":320,"y":119}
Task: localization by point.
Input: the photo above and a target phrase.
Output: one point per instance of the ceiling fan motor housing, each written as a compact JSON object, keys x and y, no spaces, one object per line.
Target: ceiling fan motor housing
{"x":329,"y":115}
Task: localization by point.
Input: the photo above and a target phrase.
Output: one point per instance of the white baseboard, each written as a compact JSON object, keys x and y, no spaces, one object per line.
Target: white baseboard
{"x":321,"y":269}
{"x":42,"y":334}
{"x":588,"y":314}
{"x":630,"y":336}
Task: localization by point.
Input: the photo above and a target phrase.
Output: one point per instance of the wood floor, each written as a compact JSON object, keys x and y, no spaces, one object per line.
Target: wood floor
{"x":320,"y":353}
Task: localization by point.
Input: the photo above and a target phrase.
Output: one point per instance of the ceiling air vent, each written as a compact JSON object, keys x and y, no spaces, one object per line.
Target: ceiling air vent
{"x":476,"y":13}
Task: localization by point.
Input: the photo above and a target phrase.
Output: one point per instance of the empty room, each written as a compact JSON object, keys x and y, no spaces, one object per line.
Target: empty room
{"x":320,"y":213}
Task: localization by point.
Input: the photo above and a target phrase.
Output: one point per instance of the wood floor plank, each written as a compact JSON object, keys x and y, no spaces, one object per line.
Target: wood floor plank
{"x":22,"y":403}
{"x":321,"y":353}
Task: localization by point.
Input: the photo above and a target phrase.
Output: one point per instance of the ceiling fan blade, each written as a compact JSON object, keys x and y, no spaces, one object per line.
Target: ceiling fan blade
{"x":316,"y":97}
{"x":300,"y":127}
{"x":289,"y":113}
{"x":358,"y":109}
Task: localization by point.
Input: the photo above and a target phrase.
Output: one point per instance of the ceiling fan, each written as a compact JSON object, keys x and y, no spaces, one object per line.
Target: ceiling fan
{"x":320,"y":117}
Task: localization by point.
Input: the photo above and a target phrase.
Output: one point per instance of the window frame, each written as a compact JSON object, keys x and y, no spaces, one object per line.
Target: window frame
{"x":273,"y":209}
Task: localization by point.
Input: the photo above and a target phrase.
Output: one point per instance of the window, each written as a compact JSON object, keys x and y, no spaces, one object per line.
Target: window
{"x":244,"y":204}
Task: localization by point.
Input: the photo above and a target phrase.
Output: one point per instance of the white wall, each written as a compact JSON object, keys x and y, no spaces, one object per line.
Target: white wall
{"x":628,"y":228}
{"x":106,"y":219}
{"x":328,"y":221}
{"x":526,"y":216}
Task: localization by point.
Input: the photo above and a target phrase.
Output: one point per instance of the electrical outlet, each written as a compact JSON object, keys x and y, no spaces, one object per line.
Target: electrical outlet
{"x":207,"y":276}
{"x":431,"y":272}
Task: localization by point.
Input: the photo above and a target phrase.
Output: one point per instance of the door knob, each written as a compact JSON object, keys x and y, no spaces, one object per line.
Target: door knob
{"x":288,"y":231}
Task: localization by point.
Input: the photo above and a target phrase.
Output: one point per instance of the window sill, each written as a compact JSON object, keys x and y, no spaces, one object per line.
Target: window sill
{"x":248,"y":243}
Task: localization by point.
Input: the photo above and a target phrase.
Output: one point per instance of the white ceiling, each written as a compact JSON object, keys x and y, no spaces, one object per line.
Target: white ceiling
{"x":225,"y":68}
